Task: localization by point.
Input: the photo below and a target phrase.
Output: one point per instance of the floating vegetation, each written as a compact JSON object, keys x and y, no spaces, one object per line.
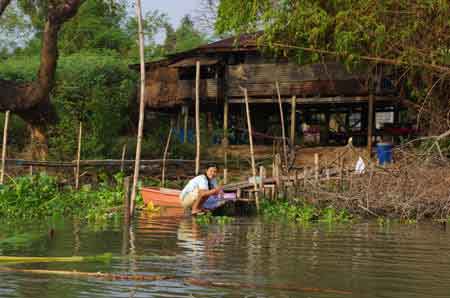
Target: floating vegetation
{"x":304,"y":213}
{"x":31,"y":197}
{"x":208,"y":218}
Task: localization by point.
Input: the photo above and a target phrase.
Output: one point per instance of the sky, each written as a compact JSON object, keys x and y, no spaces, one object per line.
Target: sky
{"x":175,"y":9}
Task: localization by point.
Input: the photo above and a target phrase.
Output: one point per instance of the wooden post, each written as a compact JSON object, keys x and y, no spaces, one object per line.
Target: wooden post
{"x":225,"y":140}
{"x":166,"y":150}
{"x":197,"y":117}
{"x":252,"y":154}
{"x":316,"y":167}
{"x":77,"y":172}
{"x":341,"y":173}
{"x":370,"y":124}
{"x":283,"y":130}
{"x":126,"y":199}
{"x":124,"y":152}
{"x":137,"y":161}
{"x":262,"y":176}
{"x":185,"y":112}
{"x":5,"y":140}
{"x":305,"y":177}
{"x":296,"y":183}
{"x":293,"y":120}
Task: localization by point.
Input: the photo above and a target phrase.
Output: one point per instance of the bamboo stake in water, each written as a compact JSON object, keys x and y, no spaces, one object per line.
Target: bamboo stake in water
{"x":252,"y":154}
{"x":283,"y":130}
{"x":137,"y":161}
{"x":316,"y":166}
{"x":225,"y":140}
{"x":185,"y":123}
{"x":77,"y":171}
{"x":293,"y":120}
{"x":124,"y":152}
{"x":197,"y":117}
{"x":5,"y":139}
{"x":163,"y":174}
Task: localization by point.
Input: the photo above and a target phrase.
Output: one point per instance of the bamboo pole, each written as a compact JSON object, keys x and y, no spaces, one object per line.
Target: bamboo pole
{"x":77,"y":171}
{"x":99,"y":275}
{"x":316,"y":166}
{"x":283,"y":129}
{"x":166,"y":150}
{"x":141,"y":108}
{"x":197,"y":117}
{"x":99,"y":258}
{"x":124,"y":152}
{"x":185,"y":109}
{"x":252,"y":153}
{"x":5,"y":140}
{"x":126,"y":199}
{"x":370,"y":124}
{"x":225,"y":139}
{"x":293,"y":120}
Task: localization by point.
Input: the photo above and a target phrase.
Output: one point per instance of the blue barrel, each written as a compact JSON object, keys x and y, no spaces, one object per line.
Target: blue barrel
{"x":384,"y":153}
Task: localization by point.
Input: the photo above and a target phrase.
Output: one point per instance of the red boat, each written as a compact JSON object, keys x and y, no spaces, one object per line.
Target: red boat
{"x":164,"y":197}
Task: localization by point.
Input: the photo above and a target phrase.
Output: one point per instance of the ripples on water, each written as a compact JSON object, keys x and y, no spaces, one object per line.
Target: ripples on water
{"x":263,"y":258}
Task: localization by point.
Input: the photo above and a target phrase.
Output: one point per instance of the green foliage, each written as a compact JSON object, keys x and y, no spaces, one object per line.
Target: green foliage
{"x":95,"y":89}
{"x":31,"y":197}
{"x":184,"y":38}
{"x":303,"y":212}
{"x":208,"y":218}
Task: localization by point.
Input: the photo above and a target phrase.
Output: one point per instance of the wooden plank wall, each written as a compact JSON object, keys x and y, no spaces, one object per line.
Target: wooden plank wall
{"x":314,"y":79}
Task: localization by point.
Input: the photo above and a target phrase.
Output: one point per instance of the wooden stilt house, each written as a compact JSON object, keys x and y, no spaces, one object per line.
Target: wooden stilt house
{"x":324,"y":103}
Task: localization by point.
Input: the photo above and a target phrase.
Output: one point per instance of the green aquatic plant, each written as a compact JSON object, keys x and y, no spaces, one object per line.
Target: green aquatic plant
{"x":303,"y":212}
{"x":31,"y":197}
{"x":208,"y":218}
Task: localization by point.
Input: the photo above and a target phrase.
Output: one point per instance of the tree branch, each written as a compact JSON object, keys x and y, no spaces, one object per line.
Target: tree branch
{"x":3,"y":5}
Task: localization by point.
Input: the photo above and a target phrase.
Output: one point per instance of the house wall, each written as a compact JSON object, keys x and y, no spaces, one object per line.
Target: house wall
{"x":311,"y":80}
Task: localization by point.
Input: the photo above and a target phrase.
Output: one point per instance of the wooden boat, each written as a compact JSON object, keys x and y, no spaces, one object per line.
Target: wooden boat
{"x":163,"y":197}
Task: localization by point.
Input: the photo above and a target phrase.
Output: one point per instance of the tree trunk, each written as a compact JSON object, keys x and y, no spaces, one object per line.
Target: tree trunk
{"x":31,"y":100}
{"x":3,"y":5}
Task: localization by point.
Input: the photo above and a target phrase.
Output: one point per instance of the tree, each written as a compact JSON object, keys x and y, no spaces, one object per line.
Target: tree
{"x":411,"y":35}
{"x":30,"y":100}
{"x":184,"y":38}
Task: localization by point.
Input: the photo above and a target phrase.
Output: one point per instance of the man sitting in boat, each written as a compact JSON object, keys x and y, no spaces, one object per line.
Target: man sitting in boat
{"x":199,"y":189}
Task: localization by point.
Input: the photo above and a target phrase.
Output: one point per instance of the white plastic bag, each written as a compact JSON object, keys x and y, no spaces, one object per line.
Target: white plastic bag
{"x":360,"y":167}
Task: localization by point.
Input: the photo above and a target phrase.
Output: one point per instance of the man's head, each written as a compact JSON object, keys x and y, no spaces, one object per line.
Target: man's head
{"x":211,"y":171}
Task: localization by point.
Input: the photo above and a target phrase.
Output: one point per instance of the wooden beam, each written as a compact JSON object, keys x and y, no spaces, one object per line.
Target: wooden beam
{"x":197,"y":117}
{"x":77,"y":169}
{"x":225,"y":140}
{"x":252,"y":153}
{"x":283,"y":131}
{"x":370,"y":124}
{"x":317,"y":100}
{"x":141,"y":108}
{"x":166,"y":151}
{"x":185,"y":112}
{"x":293,"y":120}
{"x":5,"y":141}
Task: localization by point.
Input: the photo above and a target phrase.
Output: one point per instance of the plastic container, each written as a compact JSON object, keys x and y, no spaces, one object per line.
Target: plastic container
{"x":384,"y":153}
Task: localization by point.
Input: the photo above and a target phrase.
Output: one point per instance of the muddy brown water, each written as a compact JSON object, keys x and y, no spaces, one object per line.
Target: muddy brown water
{"x":250,"y":257}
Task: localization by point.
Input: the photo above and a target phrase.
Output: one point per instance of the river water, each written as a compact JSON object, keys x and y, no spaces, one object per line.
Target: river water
{"x":250,"y":257}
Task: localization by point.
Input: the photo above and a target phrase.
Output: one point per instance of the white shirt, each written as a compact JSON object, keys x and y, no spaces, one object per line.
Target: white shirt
{"x":200,"y":182}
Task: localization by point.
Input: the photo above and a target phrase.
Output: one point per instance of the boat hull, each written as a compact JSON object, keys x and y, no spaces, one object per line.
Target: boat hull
{"x":163,"y":197}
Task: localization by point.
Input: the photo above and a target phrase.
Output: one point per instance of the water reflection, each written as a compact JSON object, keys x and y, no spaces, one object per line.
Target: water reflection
{"x":251,"y":257}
